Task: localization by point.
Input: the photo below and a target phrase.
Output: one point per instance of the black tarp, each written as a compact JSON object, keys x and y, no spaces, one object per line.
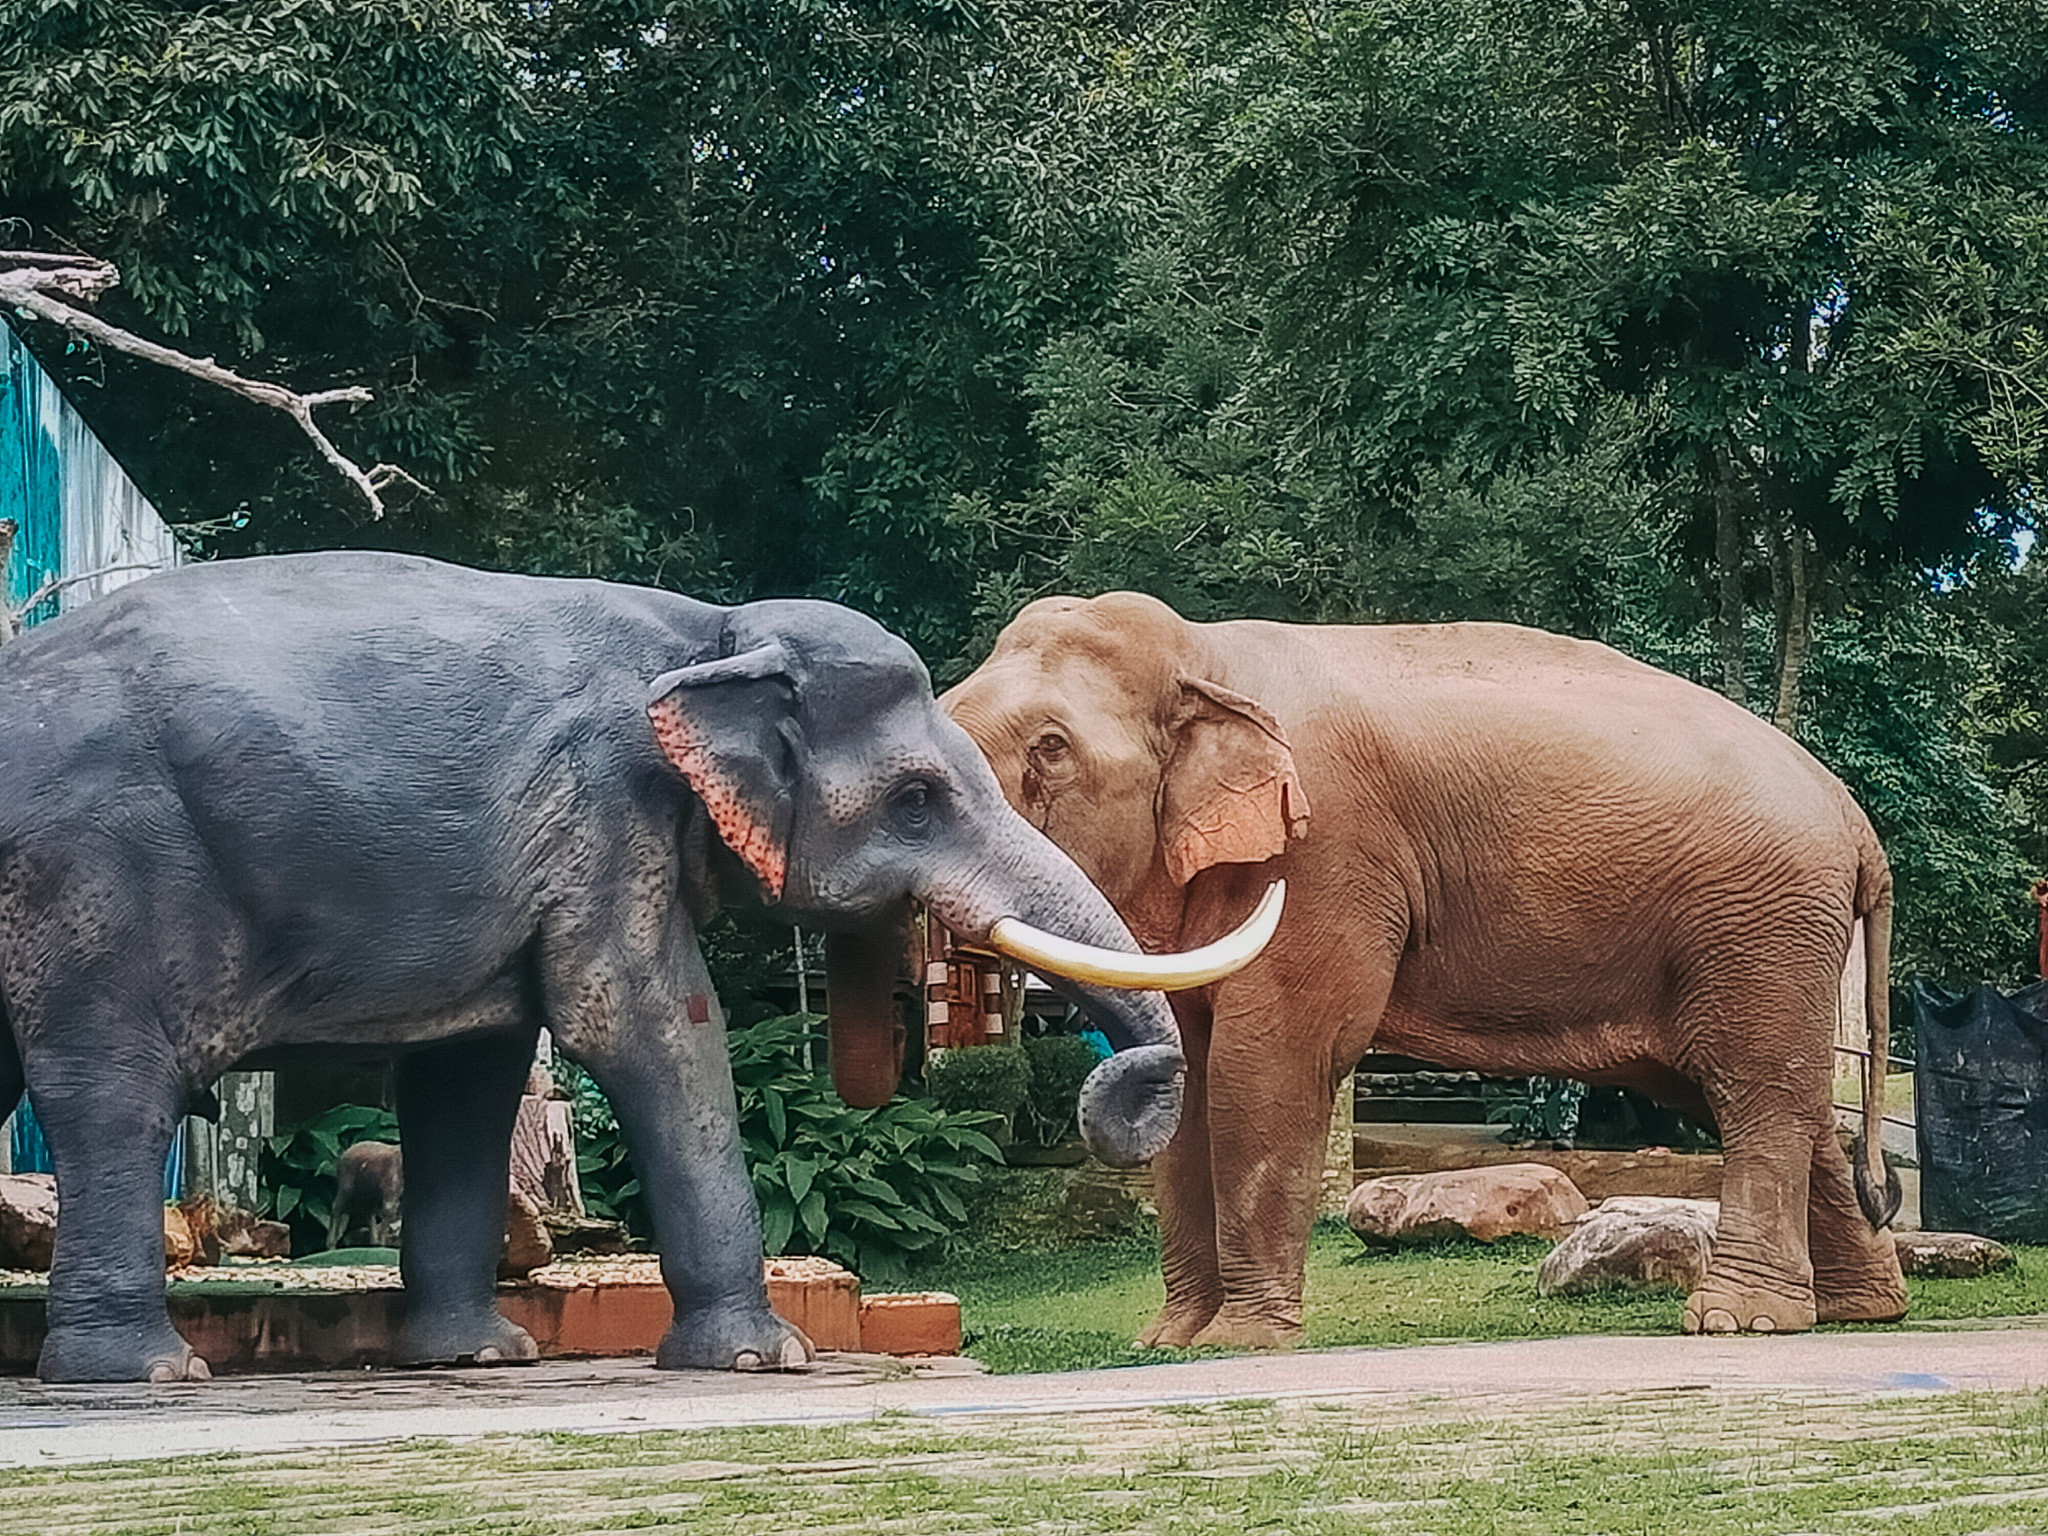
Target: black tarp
{"x":1980,"y":1095}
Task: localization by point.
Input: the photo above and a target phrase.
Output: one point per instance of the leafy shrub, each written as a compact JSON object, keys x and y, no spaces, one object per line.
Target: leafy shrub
{"x":1060,"y":1064}
{"x":996,"y":1078}
{"x":865,"y":1187}
{"x":296,"y":1167}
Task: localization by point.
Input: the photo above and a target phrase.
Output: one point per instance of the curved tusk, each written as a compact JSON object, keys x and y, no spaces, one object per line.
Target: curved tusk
{"x":1161,"y":973}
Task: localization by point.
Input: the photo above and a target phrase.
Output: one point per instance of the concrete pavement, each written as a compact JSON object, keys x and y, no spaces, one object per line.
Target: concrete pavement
{"x":53,"y":1425}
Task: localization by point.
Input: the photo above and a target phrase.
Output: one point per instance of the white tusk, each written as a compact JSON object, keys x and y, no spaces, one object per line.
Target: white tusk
{"x":1160,"y":973}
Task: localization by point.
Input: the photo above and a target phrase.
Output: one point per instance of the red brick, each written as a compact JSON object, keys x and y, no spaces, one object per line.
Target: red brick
{"x":919,"y":1323}
{"x":820,"y":1298}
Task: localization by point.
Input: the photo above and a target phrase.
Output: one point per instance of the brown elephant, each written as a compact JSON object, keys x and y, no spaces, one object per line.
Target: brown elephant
{"x":1505,"y":851}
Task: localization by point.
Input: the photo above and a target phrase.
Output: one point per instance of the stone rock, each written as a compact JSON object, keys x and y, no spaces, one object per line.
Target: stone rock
{"x":203,"y":1215}
{"x":1633,"y":1243}
{"x":585,"y":1235}
{"x":1950,"y":1255}
{"x":229,"y":1230}
{"x":181,"y":1248}
{"x":544,"y":1152}
{"x":527,"y":1243}
{"x":1484,"y":1203}
{"x":28,"y":1220}
{"x":254,"y":1238}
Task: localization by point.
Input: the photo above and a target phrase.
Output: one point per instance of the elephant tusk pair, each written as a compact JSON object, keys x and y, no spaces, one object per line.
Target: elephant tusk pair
{"x":1161,"y":973}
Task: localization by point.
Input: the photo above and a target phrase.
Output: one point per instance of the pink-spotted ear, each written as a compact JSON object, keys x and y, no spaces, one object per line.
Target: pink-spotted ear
{"x":730,"y":728}
{"x":1229,"y":793}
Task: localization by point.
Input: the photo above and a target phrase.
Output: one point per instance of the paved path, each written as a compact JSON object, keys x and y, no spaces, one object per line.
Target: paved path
{"x":47,"y":1425}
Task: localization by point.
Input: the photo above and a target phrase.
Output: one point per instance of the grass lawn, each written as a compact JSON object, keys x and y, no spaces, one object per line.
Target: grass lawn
{"x":1079,"y":1307}
{"x":1713,"y":1464}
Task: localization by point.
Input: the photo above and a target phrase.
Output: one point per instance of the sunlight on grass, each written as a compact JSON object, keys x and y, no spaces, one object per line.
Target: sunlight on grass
{"x":1080,"y":1307}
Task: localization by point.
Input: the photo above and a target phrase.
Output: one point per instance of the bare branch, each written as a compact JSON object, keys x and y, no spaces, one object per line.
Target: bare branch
{"x":41,"y":284}
{"x":17,"y":616}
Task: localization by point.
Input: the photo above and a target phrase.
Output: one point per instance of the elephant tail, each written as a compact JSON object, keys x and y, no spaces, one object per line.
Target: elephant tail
{"x":1877,"y":1187}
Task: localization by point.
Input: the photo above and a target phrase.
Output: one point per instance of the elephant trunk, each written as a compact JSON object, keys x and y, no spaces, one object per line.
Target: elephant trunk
{"x":1130,"y":1105}
{"x":864,"y":1021}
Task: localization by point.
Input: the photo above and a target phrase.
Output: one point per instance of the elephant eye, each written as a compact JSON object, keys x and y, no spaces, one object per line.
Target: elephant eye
{"x":1051,"y":745}
{"x":913,"y":805}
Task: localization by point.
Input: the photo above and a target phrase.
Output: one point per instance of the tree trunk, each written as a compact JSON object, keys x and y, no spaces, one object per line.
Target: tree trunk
{"x":1795,"y":626}
{"x":1728,"y":541}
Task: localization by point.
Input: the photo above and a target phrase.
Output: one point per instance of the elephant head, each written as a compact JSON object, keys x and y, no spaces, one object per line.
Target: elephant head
{"x":815,"y":748}
{"x":1107,"y":731}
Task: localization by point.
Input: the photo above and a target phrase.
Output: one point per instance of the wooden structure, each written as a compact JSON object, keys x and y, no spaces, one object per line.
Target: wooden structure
{"x":972,"y":996}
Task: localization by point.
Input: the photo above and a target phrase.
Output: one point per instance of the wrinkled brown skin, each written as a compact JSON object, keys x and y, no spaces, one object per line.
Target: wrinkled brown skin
{"x":1505,"y":851}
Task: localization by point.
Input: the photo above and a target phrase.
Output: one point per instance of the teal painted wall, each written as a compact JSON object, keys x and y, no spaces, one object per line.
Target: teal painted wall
{"x":67,"y":497}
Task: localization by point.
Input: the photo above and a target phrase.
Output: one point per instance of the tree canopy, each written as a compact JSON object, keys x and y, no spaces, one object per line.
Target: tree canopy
{"x":1711,"y":328}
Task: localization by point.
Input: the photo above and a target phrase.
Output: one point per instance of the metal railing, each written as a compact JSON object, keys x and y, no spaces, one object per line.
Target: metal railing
{"x":1889,"y":1061}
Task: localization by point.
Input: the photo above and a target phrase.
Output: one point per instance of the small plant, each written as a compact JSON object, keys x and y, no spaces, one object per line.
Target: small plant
{"x":1060,"y":1064}
{"x":865,"y":1187}
{"x":996,"y":1078}
{"x":296,"y":1167}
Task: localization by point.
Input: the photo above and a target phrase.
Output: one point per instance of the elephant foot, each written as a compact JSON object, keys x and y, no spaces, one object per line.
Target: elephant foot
{"x":1880,"y":1303}
{"x":1175,"y":1327}
{"x":94,"y":1355}
{"x":490,"y":1341}
{"x":1724,"y":1309}
{"x":1242,"y":1332}
{"x":733,"y":1342}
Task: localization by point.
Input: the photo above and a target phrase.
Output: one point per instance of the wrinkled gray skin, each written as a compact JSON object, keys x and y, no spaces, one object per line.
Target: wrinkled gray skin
{"x":369,"y":1191}
{"x":368,"y":803}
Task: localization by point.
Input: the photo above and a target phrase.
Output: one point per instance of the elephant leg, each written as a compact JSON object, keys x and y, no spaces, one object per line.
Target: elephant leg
{"x":1269,"y":1121}
{"x":1856,"y":1275}
{"x":662,"y":1061}
{"x":1186,"y":1196}
{"x":109,"y":1124}
{"x":1761,"y":1278}
{"x":456,"y":1104}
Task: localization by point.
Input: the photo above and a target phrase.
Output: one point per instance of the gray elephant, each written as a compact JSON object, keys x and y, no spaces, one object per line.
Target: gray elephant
{"x":373,"y":803}
{"x":369,"y":1192}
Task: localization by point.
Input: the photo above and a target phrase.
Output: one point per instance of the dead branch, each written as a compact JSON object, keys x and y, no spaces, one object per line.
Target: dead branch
{"x":44,"y":285}
{"x":17,"y":616}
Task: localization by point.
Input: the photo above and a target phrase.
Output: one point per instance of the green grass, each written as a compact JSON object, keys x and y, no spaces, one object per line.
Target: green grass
{"x":1079,"y":1307}
{"x":1721,"y":1464}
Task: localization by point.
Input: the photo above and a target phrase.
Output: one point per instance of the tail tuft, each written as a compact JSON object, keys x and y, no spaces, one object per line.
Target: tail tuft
{"x":1879,"y":1205}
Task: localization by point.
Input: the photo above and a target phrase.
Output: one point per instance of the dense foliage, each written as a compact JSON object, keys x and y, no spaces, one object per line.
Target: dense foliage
{"x":866,"y":1187}
{"x":296,"y":1167}
{"x":1713,"y":329}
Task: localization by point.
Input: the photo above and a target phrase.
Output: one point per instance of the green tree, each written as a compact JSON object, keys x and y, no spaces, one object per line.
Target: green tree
{"x":1804,"y":241}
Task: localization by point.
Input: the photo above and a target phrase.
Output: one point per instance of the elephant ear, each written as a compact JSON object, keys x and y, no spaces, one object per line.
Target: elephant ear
{"x":1229,"y":793}
{"x":730,"y":727}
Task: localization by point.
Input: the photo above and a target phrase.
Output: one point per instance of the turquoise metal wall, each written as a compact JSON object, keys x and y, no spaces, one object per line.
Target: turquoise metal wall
{"x":30,"y":482}
{"x":54,"y":477}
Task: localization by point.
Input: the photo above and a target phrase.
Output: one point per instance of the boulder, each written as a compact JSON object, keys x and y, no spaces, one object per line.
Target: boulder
{"x":585,"y":1235}
{"x":181,"y":1247}
{"x":254,"y":1238}
{"x":1484,"y":1203}
{"x":528,"y":1244}
{"x":1634,"y":1243}
{"x":28,"y":1220}
{"x":1950,"y":1255}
